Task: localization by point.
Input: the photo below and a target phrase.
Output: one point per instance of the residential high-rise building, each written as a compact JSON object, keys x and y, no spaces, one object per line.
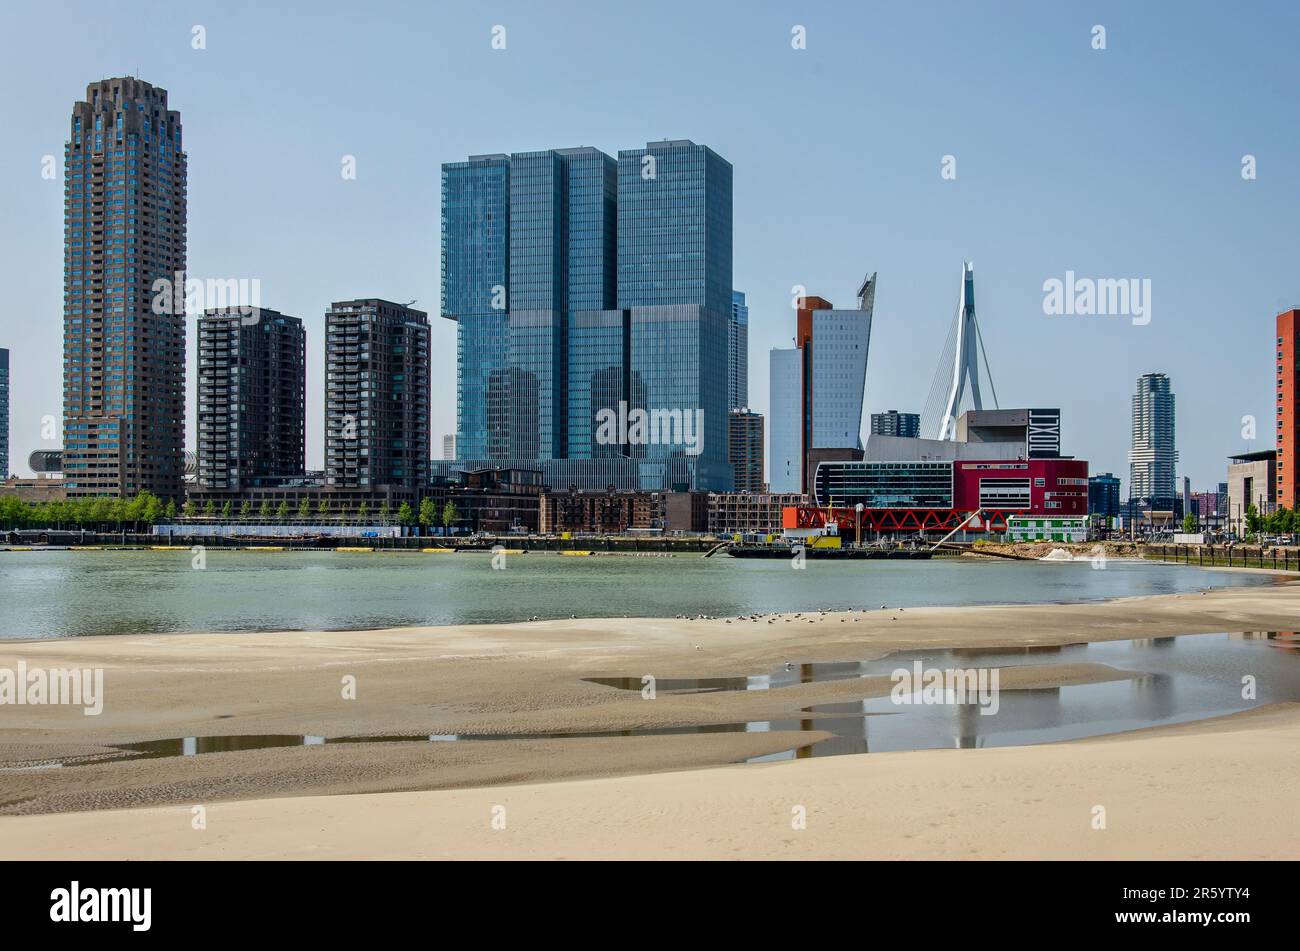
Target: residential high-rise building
{"x":376,"y":395}
{"x":1103,"y":495}
{"x":252,"y":411}
{"x":583,"y":287}
{"x":894,"y":423}
{"x":449,"y":446}
{"x":1288,"y":414}
{"x":1152,"y":479}
{"x":745,"y":449}
{"x":4,"y":413}
{"x":827,"y":367}
{"x":738,"y":353}
{"x":123,"y":333}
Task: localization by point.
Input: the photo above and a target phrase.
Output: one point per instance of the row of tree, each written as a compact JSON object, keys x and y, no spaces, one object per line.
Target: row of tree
{"x":107,"y":514}
{"x":98,"y":514}
{"x":1281,"y":521}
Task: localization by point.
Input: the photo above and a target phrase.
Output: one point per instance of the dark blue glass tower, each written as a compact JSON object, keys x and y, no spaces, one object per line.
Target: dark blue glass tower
{"x":674,"y":279}
{"x":551,"y":336}
{"x":475,"y":285}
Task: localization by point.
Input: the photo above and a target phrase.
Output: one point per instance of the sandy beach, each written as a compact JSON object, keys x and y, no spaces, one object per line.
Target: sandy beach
{"x":1205,"y":789}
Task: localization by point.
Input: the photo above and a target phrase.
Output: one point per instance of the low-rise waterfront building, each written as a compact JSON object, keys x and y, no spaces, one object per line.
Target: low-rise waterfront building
{"x":749,"y":513}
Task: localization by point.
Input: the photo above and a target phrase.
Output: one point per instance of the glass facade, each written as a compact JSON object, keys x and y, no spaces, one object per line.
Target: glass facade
{"x":678,"y":356}
{"x":535,"y":425}
{"x":532,"y":378}
{"x":738,"y":353}
{"x":885,"y":485}
{"x":597,"y":379}
{"x":536,"y":231}
{"x":475,"y":285}
{"x":591,"y":179}
{"x":674,"y":226}
{"x":475,"y":235}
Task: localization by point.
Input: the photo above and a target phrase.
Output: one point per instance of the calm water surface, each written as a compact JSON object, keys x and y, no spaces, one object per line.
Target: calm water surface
{"x":47,"y":594}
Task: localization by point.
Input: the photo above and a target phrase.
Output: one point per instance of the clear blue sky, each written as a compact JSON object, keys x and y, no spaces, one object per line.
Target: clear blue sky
{"x":1117,"y":163}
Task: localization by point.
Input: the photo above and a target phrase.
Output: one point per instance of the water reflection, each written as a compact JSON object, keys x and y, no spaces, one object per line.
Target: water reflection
{"x":1175,"y":679}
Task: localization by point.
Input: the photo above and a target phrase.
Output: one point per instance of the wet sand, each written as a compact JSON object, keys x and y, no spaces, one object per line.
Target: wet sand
{"x":528,"y":678}
{"x":1216,"y":789}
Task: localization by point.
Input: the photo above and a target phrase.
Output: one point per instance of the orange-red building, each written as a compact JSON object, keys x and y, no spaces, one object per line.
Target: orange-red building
{"x":1288,"y":425}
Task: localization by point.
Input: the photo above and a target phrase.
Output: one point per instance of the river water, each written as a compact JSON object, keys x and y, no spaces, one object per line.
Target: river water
{"x":48,"y":594}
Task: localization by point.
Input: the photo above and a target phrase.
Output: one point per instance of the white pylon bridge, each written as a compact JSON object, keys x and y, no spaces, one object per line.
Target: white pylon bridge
{"x":956,"y":386}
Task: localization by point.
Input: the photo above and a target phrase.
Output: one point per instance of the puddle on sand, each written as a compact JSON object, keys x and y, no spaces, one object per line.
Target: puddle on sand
{"x":200,"y":745}
{"x":1183,"y":678}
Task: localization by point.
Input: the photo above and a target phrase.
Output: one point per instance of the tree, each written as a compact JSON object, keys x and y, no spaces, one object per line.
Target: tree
{"x":383,"y":512}
{"x":266,"y":511}
{"x":170,"y":511}
{"x":189,"y":509}
{"x":1252,"y":519}
{"x":246,"y":509}
{"x":304,"y":508}
{"x":323,"y":509}
{"x":449,"y":516}
{"x":133,"y":511}
{"x":404,"y":514}
{"x":428,"y":513}
{"x":363,"y":511}
{"x":210,"y":509}
{"x":282,"y":511}
{"x":1287,"y":521}
{"x":226,"y":509}
{"x":1189,"y":523}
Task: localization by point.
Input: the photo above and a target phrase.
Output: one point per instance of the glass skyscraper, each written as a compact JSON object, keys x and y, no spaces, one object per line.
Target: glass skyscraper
{"x":475,"y":280}
{"x":561,"y":324}
{"x":738,"y":353}
{"x":674,"y":279}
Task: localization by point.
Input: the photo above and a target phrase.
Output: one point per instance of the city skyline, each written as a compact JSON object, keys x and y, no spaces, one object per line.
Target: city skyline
{"x":1255,"y":282}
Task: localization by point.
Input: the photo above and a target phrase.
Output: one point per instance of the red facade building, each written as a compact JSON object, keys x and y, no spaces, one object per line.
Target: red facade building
{"x":1288,"y":425}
